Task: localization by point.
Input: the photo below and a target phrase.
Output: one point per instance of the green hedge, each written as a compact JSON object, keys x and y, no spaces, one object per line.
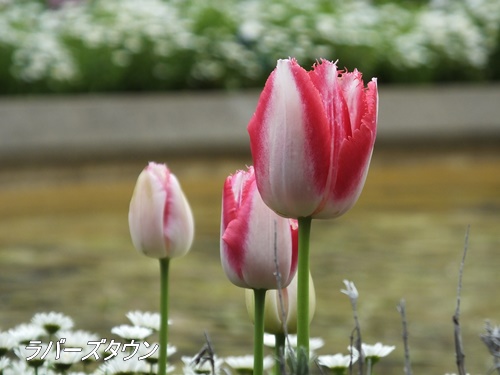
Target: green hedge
{"x":132,"y":45}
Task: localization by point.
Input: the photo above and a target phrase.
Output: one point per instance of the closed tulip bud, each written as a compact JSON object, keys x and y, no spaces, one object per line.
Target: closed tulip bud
{"x":251,"y":235}
{"x":160,"y":219}
{"x":312,"y":138}
{"x":274,"y":316}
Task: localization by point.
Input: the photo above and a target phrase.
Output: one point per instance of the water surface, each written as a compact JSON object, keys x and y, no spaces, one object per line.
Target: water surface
{"x":65,"y":246}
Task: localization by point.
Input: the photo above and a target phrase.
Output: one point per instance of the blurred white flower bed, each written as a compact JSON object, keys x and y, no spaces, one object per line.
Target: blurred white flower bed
{"x":114,"y":45}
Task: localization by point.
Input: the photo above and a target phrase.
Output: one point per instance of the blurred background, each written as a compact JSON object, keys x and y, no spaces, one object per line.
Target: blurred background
{"x":93,"y":90}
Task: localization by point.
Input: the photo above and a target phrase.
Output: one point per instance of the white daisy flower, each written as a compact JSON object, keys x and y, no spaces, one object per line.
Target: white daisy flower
{"x":129,"y":332}
{"x":7,"y":342}
{"x":4,"y":363}
{"x":118,"y":365}
{"x":374,"y":351}
{"x":337,"y":360}
{"x":18,"y":367}
{"x":145,"y":319}
{"x":244,"y":364}
{"x":87,"y":341}
{"x":121,"y":364}
{"x":314,"y":342}
{"x":68,"y":358}
{"x":52,"y":322}
{"x":36,"y":353}
{"x":79,"y":338}
{"x":24,"y":333}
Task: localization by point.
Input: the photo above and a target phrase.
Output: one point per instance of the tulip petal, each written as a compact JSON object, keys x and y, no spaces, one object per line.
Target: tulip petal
{"x":290,"y":142}
{"x":234,"y":228}
{"x":352,"y":168}
{"x":146,"y":215}
{"x":160,"y":219}
{"x":353,"y":89}
{"x":250,"y":233}
{"x":178,"y":221}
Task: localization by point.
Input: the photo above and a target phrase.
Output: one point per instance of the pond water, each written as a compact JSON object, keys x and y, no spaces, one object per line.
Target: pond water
{"x":65,"y":246}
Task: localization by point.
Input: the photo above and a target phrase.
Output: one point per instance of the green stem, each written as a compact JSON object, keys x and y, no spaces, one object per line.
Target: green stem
{"x":279,"y":351}
{"x":258,"y":344}
{"x":303,"y":285}
{"x":162,"y":358}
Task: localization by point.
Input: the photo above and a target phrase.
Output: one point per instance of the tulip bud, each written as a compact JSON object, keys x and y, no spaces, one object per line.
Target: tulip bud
{"x":254,"y":239}
{"x":312,"y":138}
{"x":160,"y":219}
{"x":274,"y":315}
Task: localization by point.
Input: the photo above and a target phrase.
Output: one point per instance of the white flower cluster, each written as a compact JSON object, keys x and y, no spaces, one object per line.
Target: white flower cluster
{"x":50,"y":343}
{"x":234,"y":43}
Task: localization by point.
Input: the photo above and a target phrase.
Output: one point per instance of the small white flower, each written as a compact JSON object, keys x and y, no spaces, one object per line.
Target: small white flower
{"x":132,"y":332}
{"x":374,"y":351}
{"x":246,"y":362}
{"x":118,"y":365}
{"x":19,"y":367}
{"x":7,"y":342}
{"x":314,"y":342}
{"x":79,"y":338}
{"x":36,"y":351}
{"x":145,"y":319}
{"x":52,"y":322}
{"x":337,"y":360}
{"x":4,"y":363}
{"x":69,"y":357}
{"x":24,"y":333}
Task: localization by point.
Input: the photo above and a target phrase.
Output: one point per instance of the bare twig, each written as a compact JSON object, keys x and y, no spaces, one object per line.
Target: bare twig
{"x":353,"y":295}
{"x":459,"y":350}
{"x":492,"y":341}
{"x":402,"y":311}
{"x":206,"y":354}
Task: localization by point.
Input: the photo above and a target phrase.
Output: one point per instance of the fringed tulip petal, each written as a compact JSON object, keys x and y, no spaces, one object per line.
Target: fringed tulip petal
{"x":312,"y":138}
{"x":289,"y":152}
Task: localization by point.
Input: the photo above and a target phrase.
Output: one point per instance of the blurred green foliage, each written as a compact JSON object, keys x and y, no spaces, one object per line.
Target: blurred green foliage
{"x":128,"y":45}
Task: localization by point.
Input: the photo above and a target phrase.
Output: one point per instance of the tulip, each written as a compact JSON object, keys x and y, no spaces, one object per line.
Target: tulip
{"x":160,"y":219}
{"x":161,"y":226}
{"x":256,"y":246}
{"x":254,"y":239}
{"x":312,"y":138}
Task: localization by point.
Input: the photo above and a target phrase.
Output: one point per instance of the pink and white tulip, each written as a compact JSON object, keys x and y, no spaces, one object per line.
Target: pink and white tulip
{"x":160,"y":219}
{"x":250,"y":231}
{"x":312,"y":138}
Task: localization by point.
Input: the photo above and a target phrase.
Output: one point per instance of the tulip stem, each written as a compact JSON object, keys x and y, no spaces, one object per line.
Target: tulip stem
{"x":162,"y":358}
{"x":258,"y":345}
{"x":303,"y":285}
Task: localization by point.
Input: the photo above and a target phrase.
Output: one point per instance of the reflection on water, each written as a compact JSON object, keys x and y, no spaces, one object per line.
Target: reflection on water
{"x":65,"y":246}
